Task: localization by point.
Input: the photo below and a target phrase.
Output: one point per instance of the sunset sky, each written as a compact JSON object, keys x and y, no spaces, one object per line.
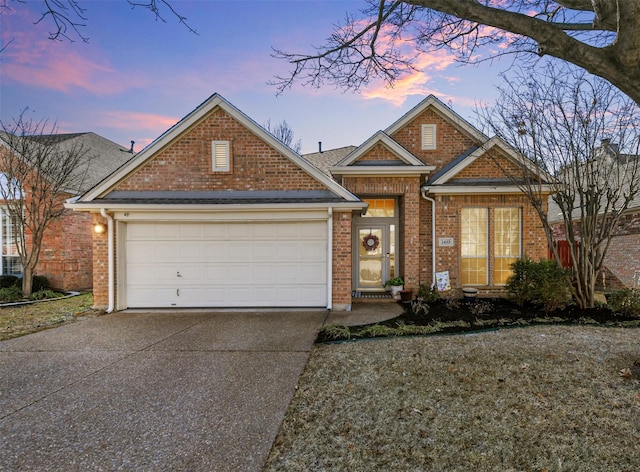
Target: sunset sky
{"x":137,"y":76}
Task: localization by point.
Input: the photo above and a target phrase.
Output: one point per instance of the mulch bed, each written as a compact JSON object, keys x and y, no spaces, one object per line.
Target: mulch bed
{"x":455,"y":316}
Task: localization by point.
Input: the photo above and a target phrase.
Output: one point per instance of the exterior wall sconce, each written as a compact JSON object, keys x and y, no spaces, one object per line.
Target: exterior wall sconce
{"x":99,"y":228}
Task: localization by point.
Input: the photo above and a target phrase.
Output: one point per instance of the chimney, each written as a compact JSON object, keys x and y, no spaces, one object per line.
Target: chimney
{"x":320,"y":146}
{"x":131,"y":150}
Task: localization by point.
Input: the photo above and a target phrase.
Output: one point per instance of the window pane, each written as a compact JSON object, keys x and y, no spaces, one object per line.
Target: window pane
{"x":503,"y":270}
{"x":10,"y":260}
{"x":380,"y":207}
{"x":507,"y":242}
{"x":473,"y":271}
{"x":473,"y":241}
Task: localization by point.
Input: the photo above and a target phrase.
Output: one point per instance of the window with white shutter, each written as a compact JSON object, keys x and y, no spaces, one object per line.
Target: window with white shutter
{"x":428,"y":137}
{"x":220,"y":156}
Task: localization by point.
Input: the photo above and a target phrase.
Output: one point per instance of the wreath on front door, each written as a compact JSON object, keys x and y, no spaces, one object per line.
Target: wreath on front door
{"x":370,"y":242}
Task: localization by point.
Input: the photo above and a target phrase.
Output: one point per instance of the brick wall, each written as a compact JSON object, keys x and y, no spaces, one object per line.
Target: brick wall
{"x":408,"y":191}
{"x":100,"y":266}
{"x":186,"y":163}
{"x":341,"y":280}
{"x":623,"y":256}
{"x":66,"y":256}
{"x":448,"y":208}
{"x":450,"y":141}
{"x":379,"y":152}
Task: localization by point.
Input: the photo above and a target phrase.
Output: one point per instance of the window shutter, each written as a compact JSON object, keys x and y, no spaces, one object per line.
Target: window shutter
{"x":428,"y":136}
{"x":220,"y":151}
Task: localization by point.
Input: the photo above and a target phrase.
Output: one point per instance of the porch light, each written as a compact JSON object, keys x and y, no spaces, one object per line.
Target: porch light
{"x":99,"y":228}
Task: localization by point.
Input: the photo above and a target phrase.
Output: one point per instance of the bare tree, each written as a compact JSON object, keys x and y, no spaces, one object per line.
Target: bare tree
{"x":586,"y":135}
{"x":69,"y":17}
{"x":285,"y":134}
{"x":37,"y":174}
{"x":386,"y":39}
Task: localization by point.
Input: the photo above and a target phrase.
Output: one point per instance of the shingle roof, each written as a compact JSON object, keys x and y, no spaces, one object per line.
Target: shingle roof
{"x":103,"y":156}
{"x":325,"y":159}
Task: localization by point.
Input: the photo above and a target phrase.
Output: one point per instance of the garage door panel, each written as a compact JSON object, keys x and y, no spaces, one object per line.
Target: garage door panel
{"x":226,"y":264}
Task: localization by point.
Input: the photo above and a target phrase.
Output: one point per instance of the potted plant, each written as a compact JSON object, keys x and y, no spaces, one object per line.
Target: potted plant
{"x":396,"y":284}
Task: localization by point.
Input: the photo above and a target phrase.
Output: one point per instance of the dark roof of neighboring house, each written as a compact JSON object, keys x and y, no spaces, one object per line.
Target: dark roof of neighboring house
{"x":325,"y":159}
{"x":104,"y":156}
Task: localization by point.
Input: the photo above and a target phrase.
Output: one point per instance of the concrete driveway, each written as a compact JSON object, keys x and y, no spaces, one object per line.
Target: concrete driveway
{"x":151,"y":391}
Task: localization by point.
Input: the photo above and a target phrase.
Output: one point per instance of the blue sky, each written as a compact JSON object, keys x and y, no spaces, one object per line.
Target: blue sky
{"x":137,"y":76}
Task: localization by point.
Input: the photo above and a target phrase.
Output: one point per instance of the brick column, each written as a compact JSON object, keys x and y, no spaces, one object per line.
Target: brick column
{"x":341,"y":281}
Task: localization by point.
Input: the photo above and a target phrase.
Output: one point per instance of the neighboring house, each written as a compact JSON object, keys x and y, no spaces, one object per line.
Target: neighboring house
{"x":621,"y":268}
{"x":218,"y":213}
{"x":66,"y":257}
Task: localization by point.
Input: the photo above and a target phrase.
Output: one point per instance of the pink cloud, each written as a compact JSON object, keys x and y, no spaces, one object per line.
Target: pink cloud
{"x":143,"y":128}
{"x":136,"y":121}
{"x":27,"y":60}
{"x":416,"y":82}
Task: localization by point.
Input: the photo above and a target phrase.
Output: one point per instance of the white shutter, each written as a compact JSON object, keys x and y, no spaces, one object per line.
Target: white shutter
{"x":428,"y":136}
{"x":220,"y":156}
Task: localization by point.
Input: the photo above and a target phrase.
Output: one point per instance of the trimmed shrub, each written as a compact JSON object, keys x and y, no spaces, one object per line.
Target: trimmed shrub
{"x":625,"y":301}
{"x":543,"y":283}
{"x":40,"y":282}
{"x":10,"y":294}
{"x":427,"y":294}
{"x":7,"y":281}
{"x":44,"y":295}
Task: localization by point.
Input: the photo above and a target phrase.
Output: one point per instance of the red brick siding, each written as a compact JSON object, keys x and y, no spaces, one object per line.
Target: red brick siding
{"x":450,"y":142}
{"x":408,"y":189}
{"x":534,"y":243}
{"x":379,"y":152}
{"x":66,"y":256}
{"x":100,"y":266}
{"x":186,"y":163}
{"x":623,"y":256}
{"x":487,"y":167}
{"x":341,"y":279}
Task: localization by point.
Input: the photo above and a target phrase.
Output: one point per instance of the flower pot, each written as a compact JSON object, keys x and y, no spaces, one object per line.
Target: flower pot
{"x":406,"y":295}
{"x":469,"y":293}
{"x":395,"y":291}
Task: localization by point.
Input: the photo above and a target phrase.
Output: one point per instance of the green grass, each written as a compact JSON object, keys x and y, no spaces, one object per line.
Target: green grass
{"x":20,"y":320}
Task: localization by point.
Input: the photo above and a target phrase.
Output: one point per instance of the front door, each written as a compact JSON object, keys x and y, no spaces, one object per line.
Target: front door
{"x":376,"y":251}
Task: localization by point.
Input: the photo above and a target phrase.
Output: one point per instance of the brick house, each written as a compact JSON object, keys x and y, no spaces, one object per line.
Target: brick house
{"x":218,"y":213}
{"x":66,"y":256}
{"x":621,"y":268}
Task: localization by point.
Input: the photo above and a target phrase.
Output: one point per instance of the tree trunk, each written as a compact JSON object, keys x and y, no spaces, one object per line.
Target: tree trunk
{"x":27,"y":281}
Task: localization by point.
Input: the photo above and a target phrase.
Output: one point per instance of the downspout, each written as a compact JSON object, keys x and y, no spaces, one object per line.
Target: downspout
{"x":329,"y":257}
{"x":103,"y":212}
{"x":424,"y":191}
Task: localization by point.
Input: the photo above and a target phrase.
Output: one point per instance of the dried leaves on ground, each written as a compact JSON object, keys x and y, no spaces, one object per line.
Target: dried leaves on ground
{"x":553,"y":398}
{"x":24,"y":319}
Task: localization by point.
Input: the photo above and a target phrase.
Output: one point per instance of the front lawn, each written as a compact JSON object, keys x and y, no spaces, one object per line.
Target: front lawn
{"x":24,"y":319}
{"x":541,"y":398}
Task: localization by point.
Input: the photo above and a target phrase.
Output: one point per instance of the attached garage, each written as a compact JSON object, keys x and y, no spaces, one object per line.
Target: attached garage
{"x":225,"y":264}
{"x":218,"y":213}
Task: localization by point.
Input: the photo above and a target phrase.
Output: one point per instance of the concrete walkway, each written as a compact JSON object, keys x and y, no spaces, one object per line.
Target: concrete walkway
{"x":151,"y":391}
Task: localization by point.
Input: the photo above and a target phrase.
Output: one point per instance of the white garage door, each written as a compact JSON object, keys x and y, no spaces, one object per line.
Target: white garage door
{"x":280,"y":264}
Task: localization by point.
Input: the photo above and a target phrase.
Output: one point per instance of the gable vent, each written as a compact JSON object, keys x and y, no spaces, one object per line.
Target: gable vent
{"x":428,"y":137}
{"x":220,"y":151}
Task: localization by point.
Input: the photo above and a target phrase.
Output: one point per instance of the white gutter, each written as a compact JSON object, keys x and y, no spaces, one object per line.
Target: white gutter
{"x":110,"y":271}
{"x":423,"y":191}
{"x":329,"y":257}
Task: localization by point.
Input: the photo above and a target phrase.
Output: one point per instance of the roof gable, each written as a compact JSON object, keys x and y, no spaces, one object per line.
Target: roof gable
{"x":447,"y":113}
{"x":466,"y":169}
{"x":402,"y":160}
{"x":212,"y":105}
